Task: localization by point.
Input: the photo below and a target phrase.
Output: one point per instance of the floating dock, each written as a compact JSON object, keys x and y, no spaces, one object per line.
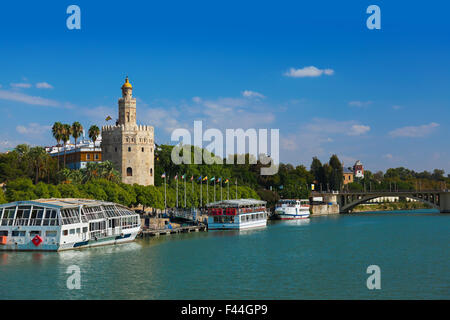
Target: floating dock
{"x":146,"y":233}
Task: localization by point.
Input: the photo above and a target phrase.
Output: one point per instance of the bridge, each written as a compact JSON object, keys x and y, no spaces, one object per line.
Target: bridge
{"x":438,"y":199}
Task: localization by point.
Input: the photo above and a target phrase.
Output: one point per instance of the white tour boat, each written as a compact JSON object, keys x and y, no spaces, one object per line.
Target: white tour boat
{"x":62,"y":224}
{"x":237,"y":214}
{"x":288,"y":209}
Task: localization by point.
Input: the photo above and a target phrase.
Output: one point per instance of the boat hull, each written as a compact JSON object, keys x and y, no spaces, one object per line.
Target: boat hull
{"x":287,"y":216}
{"x":238,"y":226}
{"x":29,"y":246}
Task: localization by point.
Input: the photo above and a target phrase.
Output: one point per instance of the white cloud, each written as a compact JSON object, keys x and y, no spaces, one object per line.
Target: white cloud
{"x":43,"y":85}
{"x":197,"y":99}
{"x":32,"y":129}
{"x":24,"y":98}
{"x":20,"y":85}
{"x":357,"y":130}
{"x":388,"y":156}
{"x":397,"y":107}
{"x":414,"y":131}
{"x":163,"y":118}
{"x":252,"y":94}
{"x":331,"y":127}
{"x":310,"y":71}
{"x":359,"y":104}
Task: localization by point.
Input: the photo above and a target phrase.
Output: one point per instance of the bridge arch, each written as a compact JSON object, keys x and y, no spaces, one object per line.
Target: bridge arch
{"x":347,"y":206}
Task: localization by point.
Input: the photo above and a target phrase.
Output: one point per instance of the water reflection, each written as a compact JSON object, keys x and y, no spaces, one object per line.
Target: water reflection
{"x":297,"y":222}
{"x":85,"y":253}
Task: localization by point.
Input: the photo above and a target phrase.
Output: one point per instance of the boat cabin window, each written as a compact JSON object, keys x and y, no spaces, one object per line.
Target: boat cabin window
{"x":36,"y":216}
{"x":50,"y":217}
{"x":22,"y":216}
{"x":4,"y":233}
{"x":8,"y":216}
{"x":65,"y":232}
{"x":17,"y":233}
{"x":35,"y":233}
{"x":70,"y":216}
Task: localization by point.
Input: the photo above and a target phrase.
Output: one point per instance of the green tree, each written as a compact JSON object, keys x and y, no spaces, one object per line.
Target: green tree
{"x":57,"y":132}
{"x":77,"y":130}
{"x":94,"y":132}
{"x":2,"y":197}
{"x":65,"y":137}
{"x":336,"y":174}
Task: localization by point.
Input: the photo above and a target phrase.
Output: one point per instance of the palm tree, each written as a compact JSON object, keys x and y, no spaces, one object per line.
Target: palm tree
{"x":77,"y":130}
{"x":94,"y":132}
{"x":37,"y":156}
{"x":57,"y":134}
{"x":65,"y":137}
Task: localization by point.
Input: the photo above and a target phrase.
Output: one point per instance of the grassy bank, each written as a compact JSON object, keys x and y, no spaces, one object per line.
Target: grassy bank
{"x":391,"y":206}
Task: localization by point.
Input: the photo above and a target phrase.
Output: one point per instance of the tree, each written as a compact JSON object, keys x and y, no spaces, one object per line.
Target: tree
{"x":2,"y":196}
{"x":317,"y":170}
{"x":77,"y":130}
{"x":57,"y":134}
{"x":38,"y":157}
{"x":65,"y":137}
{"x":337,"y":173}
{"x":94,"y":132}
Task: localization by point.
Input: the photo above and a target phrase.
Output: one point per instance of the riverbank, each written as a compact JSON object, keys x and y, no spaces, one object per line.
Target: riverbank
{"x":391,"y":206}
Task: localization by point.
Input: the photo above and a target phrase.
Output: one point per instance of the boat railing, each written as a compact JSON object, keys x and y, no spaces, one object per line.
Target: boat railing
{"x":98,"y":234}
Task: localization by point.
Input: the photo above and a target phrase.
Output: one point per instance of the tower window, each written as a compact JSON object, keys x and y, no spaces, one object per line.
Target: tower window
{"x":129,"y":149}
{"x":151,"y":172}
{"x":115,"y":149}
{"x":129,"y":172}
{"x":142,"y":149}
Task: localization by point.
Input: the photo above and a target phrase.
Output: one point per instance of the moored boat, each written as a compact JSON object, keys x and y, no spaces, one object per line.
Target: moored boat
{"x":237,"y":214}
{"x":63,"y":224}
{"x":289,"y":209}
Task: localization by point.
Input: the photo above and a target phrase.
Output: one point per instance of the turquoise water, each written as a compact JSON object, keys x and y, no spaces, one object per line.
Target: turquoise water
{"x":323,"y":258}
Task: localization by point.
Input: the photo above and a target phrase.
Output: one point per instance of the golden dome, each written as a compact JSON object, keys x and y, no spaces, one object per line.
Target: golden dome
{"x":127,"y":84}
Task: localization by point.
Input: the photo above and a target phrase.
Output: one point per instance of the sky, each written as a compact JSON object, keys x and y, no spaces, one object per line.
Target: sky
{"x":311,"y":69}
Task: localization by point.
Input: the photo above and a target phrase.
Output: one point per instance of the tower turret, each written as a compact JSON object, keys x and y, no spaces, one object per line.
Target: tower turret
{"x":127,"y":105}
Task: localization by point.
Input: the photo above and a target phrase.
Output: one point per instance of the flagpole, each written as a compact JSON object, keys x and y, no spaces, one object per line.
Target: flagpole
{"x":165,"y":198}
{"x":185,"y":191}
{"x":207,"y":193}
{"x":177,"y":190}
{"x":214,"y":189}
{"x":228,"y":190}
{"x":236,"y":189}
{"x":221,"y":199}
{"x":201,"y":191}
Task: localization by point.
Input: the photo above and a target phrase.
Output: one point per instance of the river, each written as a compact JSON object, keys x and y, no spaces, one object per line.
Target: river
{"x":320,"y":258}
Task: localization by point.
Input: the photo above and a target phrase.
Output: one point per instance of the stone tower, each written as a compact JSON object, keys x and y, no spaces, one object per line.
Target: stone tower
{"x":130,"y":147}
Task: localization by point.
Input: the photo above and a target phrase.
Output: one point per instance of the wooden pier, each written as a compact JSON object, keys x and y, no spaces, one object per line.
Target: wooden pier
{"x":146,"y":233}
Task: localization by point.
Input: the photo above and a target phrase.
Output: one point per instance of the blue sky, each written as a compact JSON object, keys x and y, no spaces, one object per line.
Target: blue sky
{"x":381,"y":96}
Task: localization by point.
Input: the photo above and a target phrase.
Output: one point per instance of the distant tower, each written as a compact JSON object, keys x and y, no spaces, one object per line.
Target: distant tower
{"x":358,"y":170}
{"x":130,"y":147}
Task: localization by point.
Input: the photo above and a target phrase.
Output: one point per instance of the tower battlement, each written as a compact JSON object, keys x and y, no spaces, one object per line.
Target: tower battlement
{"x":129,"y":128}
